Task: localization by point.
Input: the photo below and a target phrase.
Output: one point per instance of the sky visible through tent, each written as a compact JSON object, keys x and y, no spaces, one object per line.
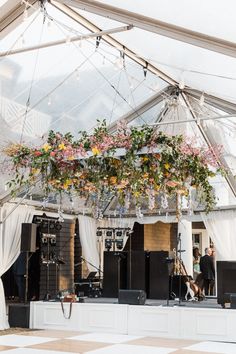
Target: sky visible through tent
{"x":69,"y":86}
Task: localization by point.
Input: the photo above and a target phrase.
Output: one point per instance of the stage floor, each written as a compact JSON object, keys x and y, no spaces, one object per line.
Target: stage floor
{"x":207,"y":303}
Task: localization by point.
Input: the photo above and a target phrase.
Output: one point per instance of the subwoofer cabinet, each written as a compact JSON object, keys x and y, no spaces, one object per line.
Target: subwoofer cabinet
{"x":115,"y":272}
{"x":226,"y":281}
{"x":158,"y":275}
{"x":137,"y":268}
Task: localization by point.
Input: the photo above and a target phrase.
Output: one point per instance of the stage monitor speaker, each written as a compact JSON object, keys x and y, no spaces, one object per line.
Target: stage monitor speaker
{"x":18,"y":315}
{"x":28,"y":237}
{"x":132,"y":297}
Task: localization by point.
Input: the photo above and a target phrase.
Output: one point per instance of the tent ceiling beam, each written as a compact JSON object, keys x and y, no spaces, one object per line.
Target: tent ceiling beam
{"x":214,"y":101}
{"x":11,"y":15}
{"x":113,"y":42}
{"x":63,"y":41}
{"x":210,"y":143}
{"x":143,"y":107}
{"x":153,"y":25}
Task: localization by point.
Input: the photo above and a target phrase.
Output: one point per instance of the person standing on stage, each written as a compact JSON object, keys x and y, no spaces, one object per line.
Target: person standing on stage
{"x":207,"y":268}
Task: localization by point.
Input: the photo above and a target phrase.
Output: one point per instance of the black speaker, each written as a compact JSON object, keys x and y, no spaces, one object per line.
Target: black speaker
{"x":18,"y":315}
{"x":158,"y":275}
{"x":115,"y":273}
{"x":132,"y":297}
{"x":226,"y":281}
{"x":28,"y":237}
{"x":137,"y":270}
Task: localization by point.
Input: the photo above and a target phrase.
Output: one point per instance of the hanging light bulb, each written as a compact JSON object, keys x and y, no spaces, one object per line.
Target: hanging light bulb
{"x":202,"y":100}
{"x":22,"y":40}
{"x":25,"y":14}
{"x":68,"y":39}
{"x":182,"y":82}
{"x":49,"y":101}
{"x":49,"y":24}
{"x":119,"y":63}
{"x":77,"y":76}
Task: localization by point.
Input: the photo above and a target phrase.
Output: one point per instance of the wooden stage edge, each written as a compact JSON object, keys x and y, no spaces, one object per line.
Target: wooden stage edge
{"x":201,"y":320}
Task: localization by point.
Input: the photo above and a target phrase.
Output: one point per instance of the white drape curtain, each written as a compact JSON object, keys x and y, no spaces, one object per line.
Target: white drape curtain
{"x":88,"y":239}
{"x":10,"y":233}
{"x":221,"y":227}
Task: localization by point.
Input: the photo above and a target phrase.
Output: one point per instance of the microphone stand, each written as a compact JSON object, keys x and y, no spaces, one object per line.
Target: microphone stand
{"x":179,"y":250}
{"x":98,"y":269}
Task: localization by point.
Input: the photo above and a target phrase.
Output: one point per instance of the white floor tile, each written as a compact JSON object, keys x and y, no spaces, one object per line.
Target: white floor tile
{"x":132,"y":349}
{"x":22,"y":341}
{"x":214,"y":347}
{"x":105,"y":337}
{"x":32,"y":351}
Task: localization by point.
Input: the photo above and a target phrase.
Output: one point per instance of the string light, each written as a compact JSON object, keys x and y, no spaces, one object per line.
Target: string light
{"x":182,"y":83}
{"x":77,"y":75}
{"x":202,"y":100}
{"x":68,"y":39}
{"x":25,"y":14}
{"x":49,"y":101}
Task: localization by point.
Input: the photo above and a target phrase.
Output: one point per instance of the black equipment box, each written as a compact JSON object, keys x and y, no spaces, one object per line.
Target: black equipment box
{"x":132,"y":297}
{"x":19,"y":315}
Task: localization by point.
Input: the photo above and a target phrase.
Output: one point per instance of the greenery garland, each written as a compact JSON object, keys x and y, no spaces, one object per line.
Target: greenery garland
{"x":151,"y":163}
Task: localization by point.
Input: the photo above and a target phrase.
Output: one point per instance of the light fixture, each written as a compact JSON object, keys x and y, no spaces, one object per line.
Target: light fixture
{"x":98,"y":39}
{"x":119,"y":233}
{"x":145,"y":70}
{"x":202,"y":100}
{"x":119,"y":244}
{"x":108,"y":244}
{"x":109,"y":233}
{"x":99,"y":233}
{"x":182,"y":82}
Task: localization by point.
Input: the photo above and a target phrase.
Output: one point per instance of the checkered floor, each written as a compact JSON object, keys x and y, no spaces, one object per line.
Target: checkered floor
{"x":63,"y":342}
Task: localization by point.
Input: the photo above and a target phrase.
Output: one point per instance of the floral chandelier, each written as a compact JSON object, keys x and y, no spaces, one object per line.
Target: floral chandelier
{"x":132,"y":164}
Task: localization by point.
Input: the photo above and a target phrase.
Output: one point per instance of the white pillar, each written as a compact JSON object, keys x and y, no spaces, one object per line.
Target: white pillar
{"x":185,"y":233}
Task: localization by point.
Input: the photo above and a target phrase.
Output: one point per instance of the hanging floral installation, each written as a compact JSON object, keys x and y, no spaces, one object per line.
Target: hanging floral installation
{"x":136,"y":163}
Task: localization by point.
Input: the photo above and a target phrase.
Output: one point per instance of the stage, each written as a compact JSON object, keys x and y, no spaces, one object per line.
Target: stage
{"x":204,"y":320}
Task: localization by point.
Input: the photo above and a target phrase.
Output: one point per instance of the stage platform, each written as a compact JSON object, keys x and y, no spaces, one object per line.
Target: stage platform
{"x":204,"y":320}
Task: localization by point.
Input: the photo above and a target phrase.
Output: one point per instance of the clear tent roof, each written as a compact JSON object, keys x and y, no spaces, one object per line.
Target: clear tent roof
{"x":69,"y":86}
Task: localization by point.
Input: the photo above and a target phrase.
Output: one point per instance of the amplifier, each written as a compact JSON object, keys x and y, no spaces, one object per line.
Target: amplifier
{"x":132,"y":297}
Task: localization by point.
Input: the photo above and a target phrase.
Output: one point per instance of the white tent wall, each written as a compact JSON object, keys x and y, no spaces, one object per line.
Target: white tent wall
{"x":10,"y":233}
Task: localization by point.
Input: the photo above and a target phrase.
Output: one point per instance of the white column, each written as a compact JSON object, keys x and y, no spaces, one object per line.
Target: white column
{"x":185,"y":233}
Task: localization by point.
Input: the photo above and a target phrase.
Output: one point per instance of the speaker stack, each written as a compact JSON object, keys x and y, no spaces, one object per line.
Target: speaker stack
{"x":136,"y":271}
{"x":28,"y":237}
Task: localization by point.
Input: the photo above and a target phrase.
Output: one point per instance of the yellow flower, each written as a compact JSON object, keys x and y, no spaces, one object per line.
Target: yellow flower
{"x":113,"y":180}
{"x":61,"y":146}
{"x":70,"y":158}
{"x":46,"y":147}
{"x":145,"y":158}
{"x":136,"y":194}
{"x":35,"y":171}
{"x":67,"y":183}
{"x":96,"y":151}
{"x":167,"y":166}
{"x":145,"y":175}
